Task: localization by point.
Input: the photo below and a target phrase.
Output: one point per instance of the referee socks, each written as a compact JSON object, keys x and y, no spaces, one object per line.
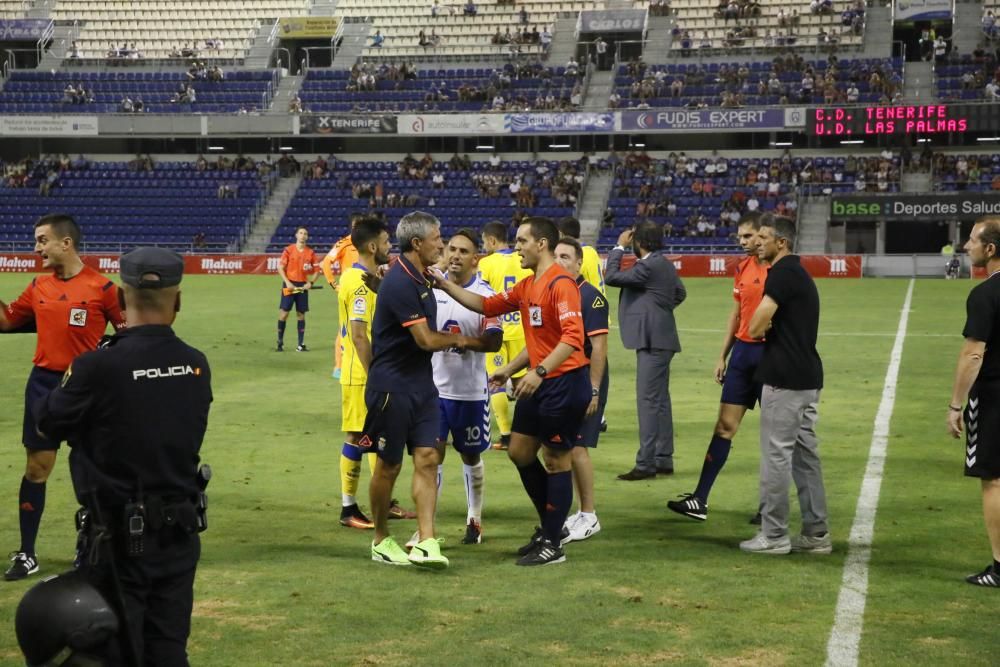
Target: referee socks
{"x":715,"y":458}
{"x":31,"y":504}
{"x":535,"y":481}
{"x":560,"y":499}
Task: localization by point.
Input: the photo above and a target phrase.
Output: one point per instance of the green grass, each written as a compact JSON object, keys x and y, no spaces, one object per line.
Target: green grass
{"x":281,"y":583}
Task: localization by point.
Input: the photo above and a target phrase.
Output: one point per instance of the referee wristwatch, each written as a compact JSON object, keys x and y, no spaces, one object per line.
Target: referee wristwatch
{"x":595,"y":392}
{"x":541,"y":371}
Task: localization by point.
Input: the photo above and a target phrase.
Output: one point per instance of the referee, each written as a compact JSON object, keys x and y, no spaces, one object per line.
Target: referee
{"x":554,"y":396}
{"x":791,"y":372}
{"x":977,"y":379}
{"x":70,"y":308}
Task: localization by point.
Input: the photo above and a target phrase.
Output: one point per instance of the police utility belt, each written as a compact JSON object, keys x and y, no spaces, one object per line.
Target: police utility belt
{"x":133,"y":522}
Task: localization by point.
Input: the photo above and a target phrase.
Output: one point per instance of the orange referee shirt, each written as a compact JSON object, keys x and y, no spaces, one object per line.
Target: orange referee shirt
{"x":748,"y":291}
{"x":298,"y":264}
{"x":70,"y":315}
{"x":550,"y":313}
{"x":341,"y":257}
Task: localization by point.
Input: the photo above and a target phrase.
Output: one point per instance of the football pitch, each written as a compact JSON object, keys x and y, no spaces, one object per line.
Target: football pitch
{"x":282,"y":583}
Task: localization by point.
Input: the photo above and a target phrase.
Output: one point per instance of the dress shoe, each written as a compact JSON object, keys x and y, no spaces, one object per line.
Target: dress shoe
{"x":636,"y":474}
{"x":664,"y":471}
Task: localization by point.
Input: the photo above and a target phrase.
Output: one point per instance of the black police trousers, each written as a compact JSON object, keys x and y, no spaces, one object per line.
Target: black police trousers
{"x":157,"y":589}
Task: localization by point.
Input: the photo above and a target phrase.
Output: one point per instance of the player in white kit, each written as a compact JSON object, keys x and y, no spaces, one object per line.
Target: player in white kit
{"x":461,"y":376}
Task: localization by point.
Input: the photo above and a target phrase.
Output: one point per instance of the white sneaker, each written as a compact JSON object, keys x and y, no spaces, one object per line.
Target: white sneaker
{"x":585,"y":526}
{"x":762,"y":544}
{"x":812,"y":544}
{"x":571,"y":521}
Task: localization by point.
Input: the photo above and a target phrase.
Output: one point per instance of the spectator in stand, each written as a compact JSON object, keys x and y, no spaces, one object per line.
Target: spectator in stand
{"x":378,"y":39}
{"x":295,"y":105}
{"x":470,"y":9}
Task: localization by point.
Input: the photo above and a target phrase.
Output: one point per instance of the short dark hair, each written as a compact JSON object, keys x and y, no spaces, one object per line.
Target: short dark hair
{"x":543,"y":228}
{"x":754,"y":219}
{"x":990,"y":233}
{"x":572,"y":243}
{"x":569,"y":226}
{"x":365,"y":231}
{"x":470,"y":234}
{"x":301,"y":227}
{"x":63,"y":225}
{"x":783,"y":228}
{"x":648,"y":236}
{"x":496,"y":230}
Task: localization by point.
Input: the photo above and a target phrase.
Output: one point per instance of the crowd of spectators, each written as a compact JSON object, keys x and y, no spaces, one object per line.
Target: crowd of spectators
{"x":185,"y":94}
{"x":790,"y":79}
{"x":958,"y":75}
{"x":43,"y":173}
{"x":129,"y":105}
{"x":201,"y":71}
{"x":77,"y":94}
{"x":961,"y":172}
{"x":498,"y":92}
{"x":126,"y":50}
{"x":657,"y":185}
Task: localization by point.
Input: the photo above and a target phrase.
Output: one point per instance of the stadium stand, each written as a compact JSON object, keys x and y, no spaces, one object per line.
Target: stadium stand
{"x":13,"y":9}
{"x":159,"y":28}
{"x":784,"y":80}
{"x":491,"y":31}
{"x":371,"y":87}
{"x":469,"y":194}
{"x":703,"y":26}
{"x":35,"y":91}
{"x":122,"y":204}
{"x":956,"y":172}
{"x":699,"y":201}
{"x":968,"y":79}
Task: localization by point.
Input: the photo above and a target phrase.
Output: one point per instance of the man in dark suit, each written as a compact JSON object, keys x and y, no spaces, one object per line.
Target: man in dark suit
{"x":651,"y":289}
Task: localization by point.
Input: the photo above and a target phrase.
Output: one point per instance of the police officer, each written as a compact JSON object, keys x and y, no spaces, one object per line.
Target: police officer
{"x":135,"y":413}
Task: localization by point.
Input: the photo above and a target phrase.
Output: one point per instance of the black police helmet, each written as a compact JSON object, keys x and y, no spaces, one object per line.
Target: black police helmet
{"x":61,"y":619}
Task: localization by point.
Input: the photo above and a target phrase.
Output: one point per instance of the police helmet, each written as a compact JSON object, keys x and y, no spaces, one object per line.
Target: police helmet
{"x":64,"y":620}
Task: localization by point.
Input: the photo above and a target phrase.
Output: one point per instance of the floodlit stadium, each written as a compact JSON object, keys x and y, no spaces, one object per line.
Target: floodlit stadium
{"x":218,"y":129}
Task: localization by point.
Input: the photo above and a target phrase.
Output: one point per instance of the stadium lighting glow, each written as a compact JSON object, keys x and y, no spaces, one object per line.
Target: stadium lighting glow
{"x":782,"y":143}
{"x":562,"y":145}
{"x":216,"y":148}
{"x":853,"y":141}
{"x":987,"y":138}
{"x":638,"y":145}
{"x":484,"y":147}
{"x":285,"y":148}
{"x":923,"y":141}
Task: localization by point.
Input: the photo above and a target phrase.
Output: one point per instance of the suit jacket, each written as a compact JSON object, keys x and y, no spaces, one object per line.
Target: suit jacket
{"x":650,"y":291}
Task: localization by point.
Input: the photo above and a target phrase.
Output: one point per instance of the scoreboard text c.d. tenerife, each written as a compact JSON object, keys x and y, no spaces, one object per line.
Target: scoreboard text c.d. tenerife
{"x":862,"y":121}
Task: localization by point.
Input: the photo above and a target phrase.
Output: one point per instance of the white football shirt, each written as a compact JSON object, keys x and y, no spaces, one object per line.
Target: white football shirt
{"x":461,"y":376}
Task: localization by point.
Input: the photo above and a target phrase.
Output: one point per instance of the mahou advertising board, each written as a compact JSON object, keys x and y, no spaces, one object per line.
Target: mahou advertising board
{"x":688,"y":266}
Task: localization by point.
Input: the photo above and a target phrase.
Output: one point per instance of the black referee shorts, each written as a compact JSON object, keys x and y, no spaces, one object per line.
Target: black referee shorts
{"x":982,"y":431}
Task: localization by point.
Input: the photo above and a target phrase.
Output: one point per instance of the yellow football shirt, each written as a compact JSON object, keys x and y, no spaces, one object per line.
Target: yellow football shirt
{"x":591,"y":269}
{"x":502,"y":270}
{"x":356,"y":303}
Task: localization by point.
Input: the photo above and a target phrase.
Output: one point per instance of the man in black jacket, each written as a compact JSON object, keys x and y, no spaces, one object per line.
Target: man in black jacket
{"x":135,"y":413}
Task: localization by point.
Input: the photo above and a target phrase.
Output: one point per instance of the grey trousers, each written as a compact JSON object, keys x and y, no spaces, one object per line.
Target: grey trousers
{"x":656,"y":419}
{"x":789,"y":451}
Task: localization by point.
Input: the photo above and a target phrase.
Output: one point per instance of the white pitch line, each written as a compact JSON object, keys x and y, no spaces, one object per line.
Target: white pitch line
{"x":845,"y":637}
